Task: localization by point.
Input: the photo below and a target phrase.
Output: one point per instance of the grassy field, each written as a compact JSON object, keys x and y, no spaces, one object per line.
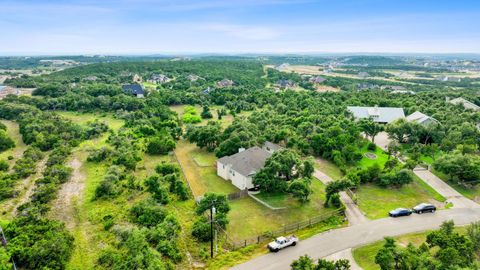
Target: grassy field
{"x":247,"y":217}
{"x":84,"y":118}
{"x":376,"y":201}
{"x":365,"y":255}
{"x":13,"y":132}
{"x":328,"y":168}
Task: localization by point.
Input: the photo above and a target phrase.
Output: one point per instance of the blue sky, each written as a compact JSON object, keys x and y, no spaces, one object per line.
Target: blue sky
{"x":235,"y":26}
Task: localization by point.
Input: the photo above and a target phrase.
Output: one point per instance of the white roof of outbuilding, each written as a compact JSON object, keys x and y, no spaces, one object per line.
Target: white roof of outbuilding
{"x":419,"y":117}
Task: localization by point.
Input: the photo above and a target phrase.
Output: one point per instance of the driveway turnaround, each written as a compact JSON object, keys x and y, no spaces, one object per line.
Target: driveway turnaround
{"x":325,"y":244}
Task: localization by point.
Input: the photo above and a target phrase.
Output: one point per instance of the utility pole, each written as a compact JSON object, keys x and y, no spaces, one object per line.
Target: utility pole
{"x":212,"y":214}
{"x":4,"y":243}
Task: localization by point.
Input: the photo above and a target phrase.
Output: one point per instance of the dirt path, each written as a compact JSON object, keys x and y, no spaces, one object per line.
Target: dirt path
{"x":63,"y":208}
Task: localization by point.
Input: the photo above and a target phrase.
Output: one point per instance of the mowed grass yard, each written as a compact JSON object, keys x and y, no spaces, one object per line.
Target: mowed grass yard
{"x":375,"y":201}
{"x":365,"y":255}
{"x":248,"y":217}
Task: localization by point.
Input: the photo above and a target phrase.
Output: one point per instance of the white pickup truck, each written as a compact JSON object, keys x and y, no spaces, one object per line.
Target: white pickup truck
{"x":282,"y":242}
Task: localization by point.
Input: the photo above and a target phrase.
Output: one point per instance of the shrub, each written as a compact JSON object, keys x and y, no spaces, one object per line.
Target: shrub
{"x":39,"y":243}
{"x":4,"y":165}
{"x":166,"y":168}
{"x":160,"y":145}
{"x":371,"y":147}
{"x":201,"y":229}
{"x":147,"y":213}
{"x":5,"y":141}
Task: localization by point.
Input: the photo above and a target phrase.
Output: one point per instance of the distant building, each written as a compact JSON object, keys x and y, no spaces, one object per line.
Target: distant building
{"x":283,"y":84}
{"x":367,"y":86}
{"x":363,"y":74}
{"x":465,"y":103}
{"x":207,"y":90}
{"x":317,"y":79}
{"x":383,"y":115}
{"x":134,"y":89}
{"x":448,"y":79}
{"x":193,"y":78}
{"x":242,"y":166}
{"x":421,"y":119}
{"x":225,"y":83}
{"x":158,"y":79}
{"x":91,"y":78}
{"x":393,"y":87}
{"x":137,"y":78}
{"x":403,"y":92}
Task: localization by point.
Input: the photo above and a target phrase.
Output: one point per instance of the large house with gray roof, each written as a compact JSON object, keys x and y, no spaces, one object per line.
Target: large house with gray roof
{"x":242,"y":166}
{"x":383,"y":115}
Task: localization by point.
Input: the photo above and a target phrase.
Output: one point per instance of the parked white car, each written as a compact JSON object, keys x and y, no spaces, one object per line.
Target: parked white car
{"x":282,"y":242}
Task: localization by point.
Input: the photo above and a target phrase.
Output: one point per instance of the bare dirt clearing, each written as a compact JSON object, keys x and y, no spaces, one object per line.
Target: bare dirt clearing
{"x":64,"y":206}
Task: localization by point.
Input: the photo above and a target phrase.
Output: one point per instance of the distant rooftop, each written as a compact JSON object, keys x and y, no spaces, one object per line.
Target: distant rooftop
{"x":377,"y":114}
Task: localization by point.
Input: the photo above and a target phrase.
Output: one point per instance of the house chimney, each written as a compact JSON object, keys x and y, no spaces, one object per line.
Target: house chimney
{"x":241,"y":149}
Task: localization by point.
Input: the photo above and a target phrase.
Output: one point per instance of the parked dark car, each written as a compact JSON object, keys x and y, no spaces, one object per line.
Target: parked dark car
{"x":424,"y":208}
{"x":400,"y":212}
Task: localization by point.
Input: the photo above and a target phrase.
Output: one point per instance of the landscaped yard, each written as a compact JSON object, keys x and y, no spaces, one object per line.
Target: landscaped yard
{"x":376,"y":201}
{"x":248,"y":217}
{"x":380,"y":157}
{"x":365,"y":255}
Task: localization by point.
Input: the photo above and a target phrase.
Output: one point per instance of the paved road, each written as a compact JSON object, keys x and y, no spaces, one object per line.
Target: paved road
{"x":345,"y":254}
{"x":352,"y":212}
{"x":458,"y":200}
{"x":322,"y":245}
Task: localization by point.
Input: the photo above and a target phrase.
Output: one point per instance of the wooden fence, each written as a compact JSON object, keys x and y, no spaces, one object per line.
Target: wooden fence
{"x":238,"y":195}
{"x":286,"y":229}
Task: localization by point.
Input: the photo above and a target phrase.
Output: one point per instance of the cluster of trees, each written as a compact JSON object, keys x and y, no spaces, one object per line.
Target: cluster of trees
{"x":5,"y":141}
{"x":190,"y":115}
{"x":307,"y":263}
{"x":443,"y":249}
{"x":23,"y":167}
{"x":201,"y":226}
{"x":151,"y":245}
{"x":284,"y":171}
{"x":168,"y":182}
{"x":461,"y":168}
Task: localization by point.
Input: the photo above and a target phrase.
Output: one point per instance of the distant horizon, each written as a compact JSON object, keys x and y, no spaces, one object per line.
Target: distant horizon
{"x":246,"y":54}
{"x":143,"y":27}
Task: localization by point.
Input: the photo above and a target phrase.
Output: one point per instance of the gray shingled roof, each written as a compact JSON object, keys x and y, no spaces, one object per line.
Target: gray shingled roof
{"x":133,"y":89}
{"x":378,"y":114}
{"x":272,"y":146}
{"x":247,"y":162}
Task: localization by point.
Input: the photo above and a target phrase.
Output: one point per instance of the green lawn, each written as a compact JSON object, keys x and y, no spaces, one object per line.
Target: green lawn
{"x":287,"y":201}
{"x":248,"y":217}
{"x":376,"y":201}
{"x":365,"y":162}
{"x":328,"y":168}
{"x":365,"y":255}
